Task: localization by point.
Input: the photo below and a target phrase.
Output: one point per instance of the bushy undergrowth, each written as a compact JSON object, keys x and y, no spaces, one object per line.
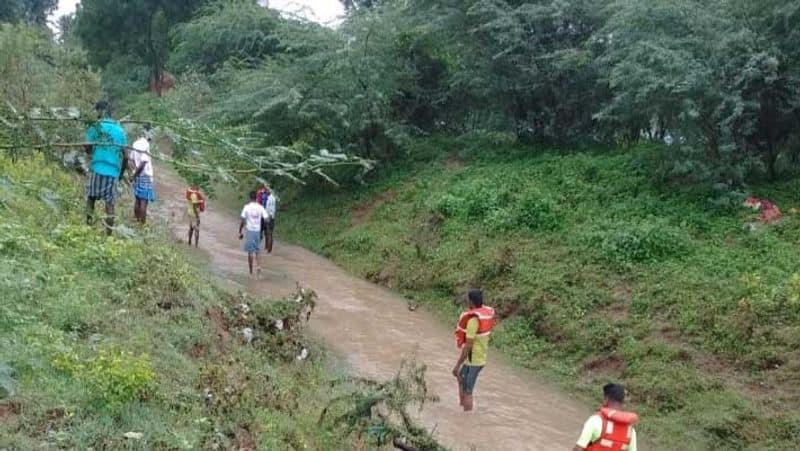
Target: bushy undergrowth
{"x":121,"y":343}
{"x":601,"y":274}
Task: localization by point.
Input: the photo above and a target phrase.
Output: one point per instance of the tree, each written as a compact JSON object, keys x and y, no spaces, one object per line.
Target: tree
{"x":34,"y":12}
{"x":138,"y":28}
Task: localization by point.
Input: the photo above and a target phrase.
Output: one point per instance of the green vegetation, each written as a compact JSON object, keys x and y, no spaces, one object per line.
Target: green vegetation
{"x":600,"y":274}
{"x":120,"y":342}
{"x":101,"y":337}
{"x":622,"y":253}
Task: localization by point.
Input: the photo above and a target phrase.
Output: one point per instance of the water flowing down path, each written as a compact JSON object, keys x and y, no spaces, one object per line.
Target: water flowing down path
{"x":373,"y":330}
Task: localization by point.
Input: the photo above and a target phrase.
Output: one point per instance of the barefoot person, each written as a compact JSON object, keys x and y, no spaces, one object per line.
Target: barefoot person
{"x":106,"y":144}
{"x":611,"y":429}
{"x":142,"y":167}
{"x":197,"y":205}
{"x":252,"y":215}
{"x":472,"y":337}
{"x":267,"y":200}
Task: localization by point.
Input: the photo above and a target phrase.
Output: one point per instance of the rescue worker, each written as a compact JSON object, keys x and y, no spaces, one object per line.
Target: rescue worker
{"x":472,"y":338}
{"x":610,"y":429}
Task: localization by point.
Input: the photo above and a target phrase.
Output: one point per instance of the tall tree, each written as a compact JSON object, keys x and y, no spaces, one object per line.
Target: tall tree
{"x":34,"y":12}
{"x":110,"y":29}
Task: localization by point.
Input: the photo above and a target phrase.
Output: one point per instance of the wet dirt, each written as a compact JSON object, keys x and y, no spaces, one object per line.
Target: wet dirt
{"x":373,"y":330}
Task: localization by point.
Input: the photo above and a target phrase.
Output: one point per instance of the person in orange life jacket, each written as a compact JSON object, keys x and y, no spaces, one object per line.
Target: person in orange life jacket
{"x":472,"y":337}
{"x":611,"y":429}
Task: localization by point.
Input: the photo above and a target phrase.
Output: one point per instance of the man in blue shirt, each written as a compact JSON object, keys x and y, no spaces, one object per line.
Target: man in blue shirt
{"x":107,"y":145}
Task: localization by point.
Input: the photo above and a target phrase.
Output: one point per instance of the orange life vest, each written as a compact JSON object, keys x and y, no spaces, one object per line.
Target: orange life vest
{"x":486,"y":322}
{"x":616,"y":432}
{"x":200,"y":197}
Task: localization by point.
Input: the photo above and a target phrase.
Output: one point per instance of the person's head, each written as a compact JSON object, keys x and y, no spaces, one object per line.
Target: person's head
{"x":147,"y":132}
{"x":475,"y":298}
{"x":613,"y":395}
{"x":253,"y":196}
{"x":103,"y":109}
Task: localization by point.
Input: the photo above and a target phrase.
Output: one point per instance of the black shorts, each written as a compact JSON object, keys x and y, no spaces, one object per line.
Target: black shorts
{"x":267,"y":226}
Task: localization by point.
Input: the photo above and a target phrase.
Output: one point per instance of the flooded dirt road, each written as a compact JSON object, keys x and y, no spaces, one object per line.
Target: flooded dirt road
{"x":373,"y":330}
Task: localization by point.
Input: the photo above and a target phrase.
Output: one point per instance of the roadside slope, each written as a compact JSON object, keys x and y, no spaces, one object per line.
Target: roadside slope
{"x":601,"y":276}
{"x":123,"y":343}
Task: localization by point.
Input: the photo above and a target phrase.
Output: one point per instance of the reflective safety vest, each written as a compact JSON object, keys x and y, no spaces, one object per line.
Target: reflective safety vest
{"x":616,"y":432}
{"x":200,"y":197}
{"x":486,"y":322}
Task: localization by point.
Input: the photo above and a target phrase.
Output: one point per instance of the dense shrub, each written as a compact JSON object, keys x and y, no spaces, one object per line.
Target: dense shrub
{"x":647,"y":240}
{"x":112,"y":375}
{"x":536,"y":212}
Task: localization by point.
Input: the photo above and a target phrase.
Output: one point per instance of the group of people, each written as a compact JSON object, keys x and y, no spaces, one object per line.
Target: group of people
{"x":258,"y":221}
{"x":107,"y":145}
{"x":610,"y":429}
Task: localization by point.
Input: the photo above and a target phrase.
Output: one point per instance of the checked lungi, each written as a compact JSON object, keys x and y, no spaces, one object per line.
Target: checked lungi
{"x":143,"y":188}
{"x":102,"y":187}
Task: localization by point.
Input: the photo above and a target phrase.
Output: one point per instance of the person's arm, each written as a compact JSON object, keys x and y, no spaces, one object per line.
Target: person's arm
{"x":271,"y":206}
{"x":463,"y":356}
{"x":632,"y":444}
{"x":140,"y":169}
{"x":242,"y":222}
{"x":90,"y":139}
{"x":589,"y":434}
{"x":125,"y":159}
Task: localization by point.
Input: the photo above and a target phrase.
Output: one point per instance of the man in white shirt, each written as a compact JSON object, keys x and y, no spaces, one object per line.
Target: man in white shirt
{"x":142,"y":168}
{"x":252,"y":215}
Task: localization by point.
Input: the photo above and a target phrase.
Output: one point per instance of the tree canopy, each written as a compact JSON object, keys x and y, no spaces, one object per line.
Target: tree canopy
{"x":716,"y":83}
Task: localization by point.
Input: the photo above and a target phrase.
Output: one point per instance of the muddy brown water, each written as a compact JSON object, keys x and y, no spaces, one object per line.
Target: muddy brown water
{"x":373,"y":330}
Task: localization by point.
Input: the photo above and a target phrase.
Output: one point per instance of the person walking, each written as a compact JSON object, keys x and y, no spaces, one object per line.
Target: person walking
{"x":268,"y":200}
{"x":472,"y":338}
{"x":197,"y":204}
{"x":142,"y":167}
{"x":106,"y":144}
{"x":252,"y":216}
{"x":611,"y":429}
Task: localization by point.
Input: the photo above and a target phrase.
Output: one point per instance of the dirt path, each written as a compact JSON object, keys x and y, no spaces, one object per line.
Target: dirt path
{"x":373,"y":330}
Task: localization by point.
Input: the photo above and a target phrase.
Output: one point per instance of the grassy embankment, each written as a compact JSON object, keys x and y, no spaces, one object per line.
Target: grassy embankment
{"x":104,"y":337}
{"x":601,"y":275}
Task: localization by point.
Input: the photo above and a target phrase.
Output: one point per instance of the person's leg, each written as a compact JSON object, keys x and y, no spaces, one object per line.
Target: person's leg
{"x":462,"y":378}
{"x":90,"y":201}
{"x":109,"y":218}
{"x":470,"y":377}
{"x":136,"y":212}
{"x":263,"y":234}
{"x":270,"y":228}
{"x":197,"y":233}
{"x":143,"y":210}
{"x":250,"y":262}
